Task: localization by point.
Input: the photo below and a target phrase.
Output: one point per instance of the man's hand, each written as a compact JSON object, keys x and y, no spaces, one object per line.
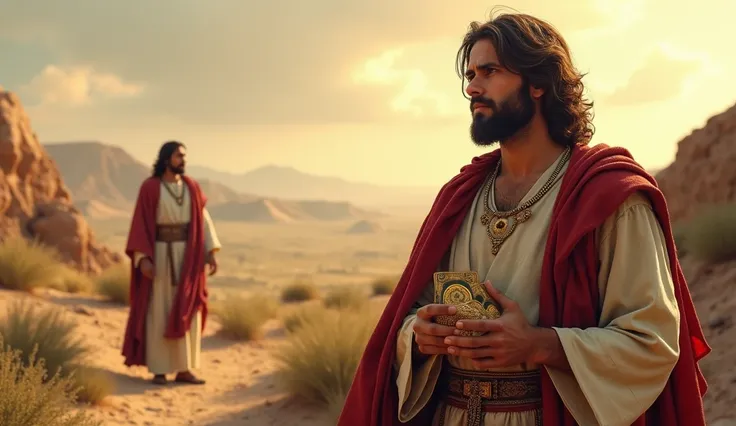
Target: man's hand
{"x":212,"y":263}
{"x":430,"y":336}
{"x":509,"y":340}
{"x":146,"y":267}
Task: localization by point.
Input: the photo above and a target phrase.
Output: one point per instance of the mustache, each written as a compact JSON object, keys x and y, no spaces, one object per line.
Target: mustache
{"x":479,"y":100}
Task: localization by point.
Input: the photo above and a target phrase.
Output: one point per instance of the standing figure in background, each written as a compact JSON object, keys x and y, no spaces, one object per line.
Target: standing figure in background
{"x":171,"y":242}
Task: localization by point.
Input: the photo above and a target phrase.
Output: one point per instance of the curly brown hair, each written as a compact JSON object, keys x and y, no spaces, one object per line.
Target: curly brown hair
{"x":534,"y":49}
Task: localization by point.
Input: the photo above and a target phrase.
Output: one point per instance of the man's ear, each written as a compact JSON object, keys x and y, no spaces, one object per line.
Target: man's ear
{"x":536,"y":92}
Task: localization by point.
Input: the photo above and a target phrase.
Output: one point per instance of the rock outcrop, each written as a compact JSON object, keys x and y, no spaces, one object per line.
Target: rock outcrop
{"x":34,"y":202}
{"x":703,"y":172}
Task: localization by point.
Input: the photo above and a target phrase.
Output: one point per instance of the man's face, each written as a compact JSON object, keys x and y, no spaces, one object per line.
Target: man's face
{"x":501,"y":104}
{"x":177,"y":162}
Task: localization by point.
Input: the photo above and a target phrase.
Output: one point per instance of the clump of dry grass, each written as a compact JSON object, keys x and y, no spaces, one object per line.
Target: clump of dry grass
{"x":46,"y":333}
{"x":293,"y":319}
{"x":114,"y":283}
{"x":73,"y":281}
{"x":94,"y":384}
{"x":384,"y":286}
{"x":27,"y":327}
{"x":320,"y":358}
{"x":26,"y":265}
{"x":242,"y":318}
{"x":711,"y":236}
{"x":300,"y":290}
{"x":31,"y":397}
{"x":345,"y":297}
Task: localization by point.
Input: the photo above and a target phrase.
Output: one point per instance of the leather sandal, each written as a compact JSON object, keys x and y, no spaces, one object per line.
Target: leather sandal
{"x":159,"y":379}
{"x":189,"y":378}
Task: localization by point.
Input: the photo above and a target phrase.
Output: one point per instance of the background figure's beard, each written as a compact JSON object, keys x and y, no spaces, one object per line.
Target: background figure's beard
{"x":505,"y":120}
{"x":176,"y":170}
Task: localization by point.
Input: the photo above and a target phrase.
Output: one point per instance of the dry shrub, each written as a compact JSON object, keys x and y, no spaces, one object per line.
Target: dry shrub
{"x":299,"y":291}
{"x":114,"y":283}
{"x":242,"y":318}
{"x":27,"y":327}
{"x":73,"y":281}
{"x":345,"y":297}
{"x":295,"y":318}
{"x":319,"y":360}
{"x":95,"y":384}
{"x":31,"y":397}
{"x":711,"y":236}
{"x":384,"y":286}
{"x":28,"y":265}
{"x":51,"y":334}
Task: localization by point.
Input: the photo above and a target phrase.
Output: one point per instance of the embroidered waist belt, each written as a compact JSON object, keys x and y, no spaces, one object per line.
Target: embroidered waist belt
{"x":492,"y":392}
{"x":169,"y":234}
{"x":172,"y":233}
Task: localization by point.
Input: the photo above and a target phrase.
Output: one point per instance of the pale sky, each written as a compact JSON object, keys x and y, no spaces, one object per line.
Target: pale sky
{"x":364,"y":90}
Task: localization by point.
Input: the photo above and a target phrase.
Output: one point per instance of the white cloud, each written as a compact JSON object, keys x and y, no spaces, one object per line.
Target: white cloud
{"x":76,"y":86}
{"x":415,"y":95}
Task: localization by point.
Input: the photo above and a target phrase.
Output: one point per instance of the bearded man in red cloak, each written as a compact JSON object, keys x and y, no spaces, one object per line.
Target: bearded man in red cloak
{"x":573,"y":245}
{"x":171,"y":242}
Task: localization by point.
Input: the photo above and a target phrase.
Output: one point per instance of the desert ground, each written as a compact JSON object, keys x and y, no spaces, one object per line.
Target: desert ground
{"x":242,"y":387}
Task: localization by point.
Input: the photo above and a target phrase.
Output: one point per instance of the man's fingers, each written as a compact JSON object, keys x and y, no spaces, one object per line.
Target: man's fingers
{"x":433,"y":350}
{"x":428,"y":311}
{"x":471,"y":353}
{"x":469,"y":342}
{"x":506,"y":303}
{"x":432,"y":329}
{"x":480,"y":325}
{"x":424,"y":339}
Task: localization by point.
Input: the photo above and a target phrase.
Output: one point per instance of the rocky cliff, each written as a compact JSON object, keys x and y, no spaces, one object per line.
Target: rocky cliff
{"x":703,"y":172}
{"x":34,"y":202}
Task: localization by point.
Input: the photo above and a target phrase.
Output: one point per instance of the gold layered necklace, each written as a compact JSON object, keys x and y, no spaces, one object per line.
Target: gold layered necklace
{"x":178,"y":198}
{"x":500,"y":225}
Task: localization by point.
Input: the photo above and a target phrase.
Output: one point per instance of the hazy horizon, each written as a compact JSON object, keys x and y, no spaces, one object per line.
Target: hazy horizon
{"x":346,"y":89}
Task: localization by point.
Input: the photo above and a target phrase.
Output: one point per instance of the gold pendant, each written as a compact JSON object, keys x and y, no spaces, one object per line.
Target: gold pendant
{"x":500,"y":228}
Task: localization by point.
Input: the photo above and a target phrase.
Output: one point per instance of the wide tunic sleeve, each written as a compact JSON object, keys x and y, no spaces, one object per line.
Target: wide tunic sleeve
{"x":416,"y":380}
{"x":211,"y":240}
{"x":620,"y":368}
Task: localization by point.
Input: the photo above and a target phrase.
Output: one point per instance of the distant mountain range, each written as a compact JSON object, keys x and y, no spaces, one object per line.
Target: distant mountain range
{"x":104,"y":182}
{"x":289,"y":183}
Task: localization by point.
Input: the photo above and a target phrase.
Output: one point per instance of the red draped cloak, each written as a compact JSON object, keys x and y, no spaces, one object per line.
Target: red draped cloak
{"x":598,"y":180}
{"x":191,"y":295}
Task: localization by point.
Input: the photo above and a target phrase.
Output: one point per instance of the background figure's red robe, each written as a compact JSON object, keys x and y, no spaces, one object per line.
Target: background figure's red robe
{"x":191,"y":295}
{"x":597,"y":181}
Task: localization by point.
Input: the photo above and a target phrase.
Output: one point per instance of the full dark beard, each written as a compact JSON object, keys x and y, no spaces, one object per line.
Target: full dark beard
{"x":506,"y":120}
{"x":176,"y":170}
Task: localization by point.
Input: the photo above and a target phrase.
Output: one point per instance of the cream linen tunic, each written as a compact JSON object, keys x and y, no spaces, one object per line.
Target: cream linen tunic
{"x":619,"y":369}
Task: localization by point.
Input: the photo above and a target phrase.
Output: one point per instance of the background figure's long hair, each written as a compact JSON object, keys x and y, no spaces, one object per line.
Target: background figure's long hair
{"x":164,"y":156}
{"x":534,"y":49}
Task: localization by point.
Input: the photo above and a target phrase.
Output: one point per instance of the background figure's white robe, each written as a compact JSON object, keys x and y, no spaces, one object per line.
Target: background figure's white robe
{"x":167,"y":356}
{"x":619,"y":369}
